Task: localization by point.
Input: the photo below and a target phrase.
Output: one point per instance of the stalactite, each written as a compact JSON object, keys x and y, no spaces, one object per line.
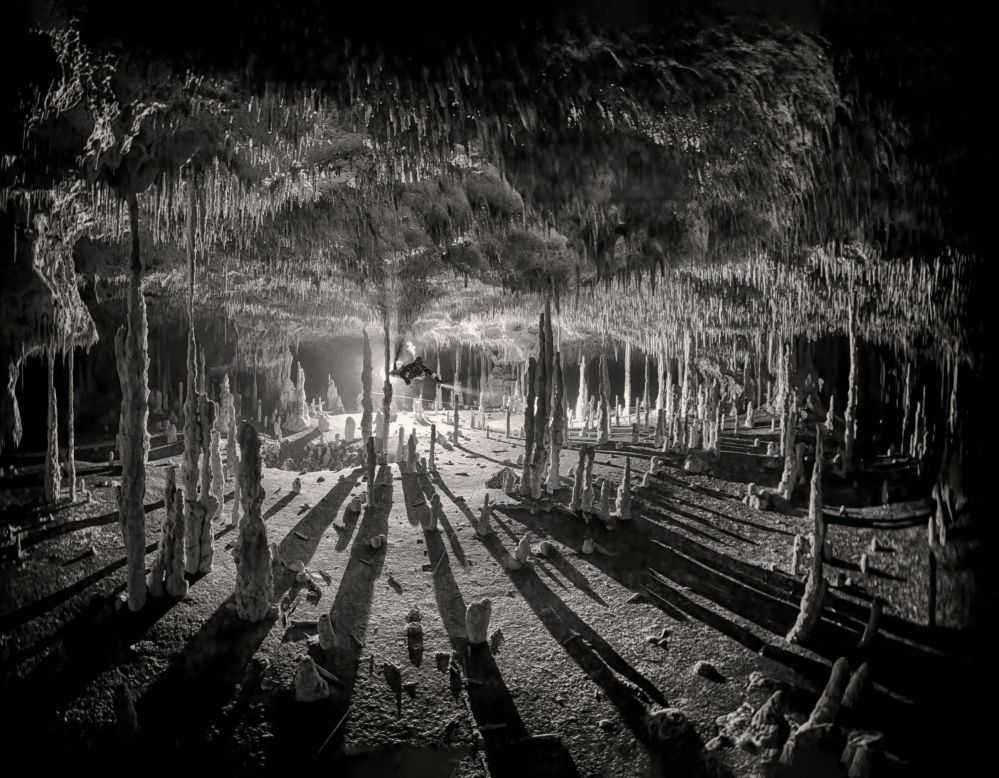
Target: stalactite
{"x":254,"y":572}
{"x":132,"y":355}
{"x":525,"y":478}
{"x":815,"y":588}
{"x":70,"y":425}
{"x":167,"y":574}
{"x":366,"y":403}
{"x":604,"y":399}
{"x":52,"y":474}
{"x":557,"y":429}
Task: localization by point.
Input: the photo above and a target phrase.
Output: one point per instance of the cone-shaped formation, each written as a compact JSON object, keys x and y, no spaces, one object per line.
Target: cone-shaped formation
{"x":432,"y":460}
{"x":579,"y":479}
{"x":581,"y":406}
{"x":815,"y":587}
{"x":333,"y":402}
{"x":254,"y":576}
{"x":218,"y":476}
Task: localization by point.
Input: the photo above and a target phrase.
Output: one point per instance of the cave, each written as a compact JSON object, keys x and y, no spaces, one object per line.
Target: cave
{"x":544,"y":389}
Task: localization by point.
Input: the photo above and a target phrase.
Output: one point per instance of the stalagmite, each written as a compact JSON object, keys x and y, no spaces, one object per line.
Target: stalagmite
{"x":386,"y":391}
{"x":457,"y":433}
{"x":70,"y":426}
{"x":627,"y":379}
{"x":217,"y":474}
{"x":369,"y":464}
{"x":557,"y":419}
{"x":588,"y":495}
{"x":483,"y":528}
{"x":526,"y":478}
{"x":581,"y":405}
{"x":850,"y":411}
{"x":131,"y":352}
{"x":52,"y":473}
{"x":539,"y":459}
{"x":622,"y":506}
{"x":432,"y":461}
{"x":309,"y":685}
{"x":604,"y":400}
{"x":226,"y":408}
{"x":254,"y":576}
{"x":603,"y":505}
{"x":167,"y":574}
{"x":333,"y":402}
{"x":366,"y":404}
{"x":815,"y":587}
{"x":412,"y":458}
{"x":789,"y":476}
{"x":477,"y":621}
{"x":578,"y":480}
{"x":400,"y":448}
{"x":233,"y":457}
{"x":508,"y":411}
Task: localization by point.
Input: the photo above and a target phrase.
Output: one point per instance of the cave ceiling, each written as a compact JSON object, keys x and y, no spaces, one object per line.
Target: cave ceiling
{"x":738,"y":173}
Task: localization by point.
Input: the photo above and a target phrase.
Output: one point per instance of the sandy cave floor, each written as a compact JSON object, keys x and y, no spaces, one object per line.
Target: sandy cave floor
{"x":580,"y":632}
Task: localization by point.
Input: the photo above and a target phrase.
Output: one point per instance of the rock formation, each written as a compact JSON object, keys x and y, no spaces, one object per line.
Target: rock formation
{"x":815,"y":587}
{"x":477,"y":621}
{"x":167,"y":574}
{"x":526,"y":477}
{"x":333,"y":402}
{"x":604,"y":400}
{"x":366,"y":404}
{"x":254,"y":576}
{"x":622,"y":506}
{"x":557,"y":429}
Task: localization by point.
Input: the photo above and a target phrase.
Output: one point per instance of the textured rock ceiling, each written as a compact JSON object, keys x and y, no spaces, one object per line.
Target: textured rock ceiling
{"x":653,"y":173}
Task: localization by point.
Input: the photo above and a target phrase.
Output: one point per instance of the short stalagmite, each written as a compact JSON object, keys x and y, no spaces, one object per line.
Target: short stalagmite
{"x":622,"y":507}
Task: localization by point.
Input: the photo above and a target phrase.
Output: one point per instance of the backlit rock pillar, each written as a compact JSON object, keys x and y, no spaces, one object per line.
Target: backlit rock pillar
{"x":52,"y":478}
{"x":254,"y":573}
{"x":525,"y":478}
{"x":557,"y":430}
{"x":132,"y":355}
{"x":604,"y":399}
{"x":685,"y":385}
{"x":387,"y":391}
{"x":540,"y":458}
{"x":366,"y":404}
{"x":648,"y":375}
{"x":583,"y":391}
{"x":627,"y":379}
{"x":192,"y":452}
{"x":167,"y":574}
{"x":70,"y":424}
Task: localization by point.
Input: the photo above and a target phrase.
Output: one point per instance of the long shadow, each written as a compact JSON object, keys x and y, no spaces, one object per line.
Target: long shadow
{"x":304,"y":730}
{"x":477,"y":455}
{"x":704,"y":522}
{"x":186,"y":698}
{"x":426,"y":484}
{"x":649,"y":510}
{"x":585,"y":647}
{"x":608,"y":654}
{"x":508,"y":747}
{"x":279,"y":505}
{"x":574,"y":576}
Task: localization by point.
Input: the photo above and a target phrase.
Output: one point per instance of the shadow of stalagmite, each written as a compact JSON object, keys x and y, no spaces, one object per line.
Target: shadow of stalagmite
{"x":304,"y":729}
{"x":508,"y":746}
{"x":186,"y":699}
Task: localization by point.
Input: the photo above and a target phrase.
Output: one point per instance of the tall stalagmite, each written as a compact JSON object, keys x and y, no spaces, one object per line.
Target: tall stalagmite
{"x":132,"y":355}
{"x":233,"y":460}
{"x":254,"y":575}
{"x":52,"y":475}
{"x":540,"y":457}
{"x":525,"y":478}
{"x":583,"y":391}
{"x":70,"y":426}
{"x":627,"y":379}
{"x":648,"y":376}
{"x":557,"y":429}
{"x":167,"y":574}
{"x":366,"y":403}
{"x":685,"y":385}
{"x":850,"y":411}
{"x":622,"y":507}
{"x":815,"y":587}
{"x":604,"y":399}
{"x":387,"y":389}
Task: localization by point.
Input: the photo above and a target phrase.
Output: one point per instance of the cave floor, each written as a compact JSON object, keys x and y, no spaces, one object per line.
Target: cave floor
{"x":582,"y":634}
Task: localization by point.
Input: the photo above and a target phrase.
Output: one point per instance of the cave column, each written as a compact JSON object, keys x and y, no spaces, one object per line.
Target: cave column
{"x":850,"y":411}
{"x":627,"y":379}
{"x":387,"y":389}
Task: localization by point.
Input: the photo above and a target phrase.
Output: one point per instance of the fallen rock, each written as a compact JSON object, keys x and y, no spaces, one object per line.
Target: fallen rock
{"x":709,"y":671}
